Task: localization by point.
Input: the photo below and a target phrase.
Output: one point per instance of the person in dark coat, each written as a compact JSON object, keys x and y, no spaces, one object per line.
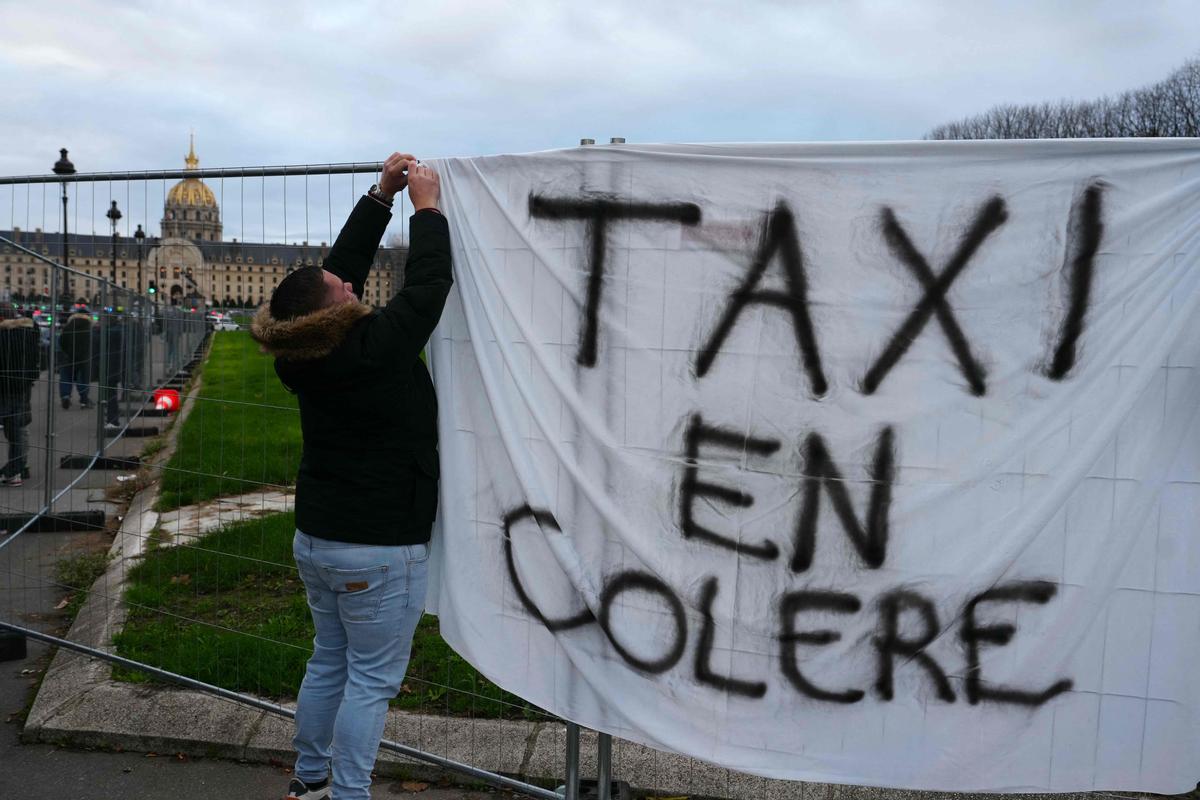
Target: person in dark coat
{"x":19,"y":345}
{"x":75,"y":345}
{"x":172,"y":323}
{"x":367,"y":490}
{"x":108,"y":355}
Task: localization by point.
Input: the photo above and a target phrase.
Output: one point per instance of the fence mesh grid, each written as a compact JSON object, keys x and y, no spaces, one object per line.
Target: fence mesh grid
{"x":202,"y":585}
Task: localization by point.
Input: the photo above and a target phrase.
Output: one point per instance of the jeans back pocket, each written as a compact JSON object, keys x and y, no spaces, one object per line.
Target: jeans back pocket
{"x":359,"y":591}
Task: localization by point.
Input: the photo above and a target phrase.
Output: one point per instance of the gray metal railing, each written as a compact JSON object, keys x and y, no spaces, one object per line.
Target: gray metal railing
{"x":113,"y":348}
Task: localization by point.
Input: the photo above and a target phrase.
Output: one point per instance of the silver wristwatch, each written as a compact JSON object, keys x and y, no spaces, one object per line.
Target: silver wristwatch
{"x":376,"y":194}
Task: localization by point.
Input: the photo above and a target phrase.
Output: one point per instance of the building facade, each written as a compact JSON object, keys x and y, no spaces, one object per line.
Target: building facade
{"x":189,"y":264}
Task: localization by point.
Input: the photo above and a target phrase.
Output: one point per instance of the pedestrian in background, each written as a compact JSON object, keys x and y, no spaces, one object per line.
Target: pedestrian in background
{"x":108,"y":356}
{"x":75,"y":345}
{"x":18,"y":370}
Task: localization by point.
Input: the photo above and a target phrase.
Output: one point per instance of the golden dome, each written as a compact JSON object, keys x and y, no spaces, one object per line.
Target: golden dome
{"x":191,"y":191}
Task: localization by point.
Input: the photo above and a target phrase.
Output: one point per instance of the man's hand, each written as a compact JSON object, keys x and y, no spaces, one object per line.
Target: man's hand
{"x":393,"y":180}
{"x":424,"y":187}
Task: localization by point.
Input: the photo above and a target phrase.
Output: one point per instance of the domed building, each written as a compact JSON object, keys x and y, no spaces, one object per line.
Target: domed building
{"x":191,"y":210}
{"x":189,"y":264}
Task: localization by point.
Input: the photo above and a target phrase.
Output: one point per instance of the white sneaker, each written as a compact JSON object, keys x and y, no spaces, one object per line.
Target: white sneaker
{"x":11,"y":480}
{"x":112,"y":426}
{"x":299,"y":790}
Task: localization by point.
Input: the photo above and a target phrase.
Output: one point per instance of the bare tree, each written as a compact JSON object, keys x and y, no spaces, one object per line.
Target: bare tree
{"x":1168,"y":108}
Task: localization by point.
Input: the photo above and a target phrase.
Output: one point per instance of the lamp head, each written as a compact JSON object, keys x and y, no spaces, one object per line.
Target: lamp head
{"x":63,"y":166}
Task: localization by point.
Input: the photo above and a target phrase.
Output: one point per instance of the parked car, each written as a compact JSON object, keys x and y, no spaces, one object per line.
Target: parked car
{"x":225,"y":324}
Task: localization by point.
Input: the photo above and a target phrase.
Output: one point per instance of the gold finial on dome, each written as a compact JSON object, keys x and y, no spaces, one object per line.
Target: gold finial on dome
{"x":190,"y":160}
{"x":191,"y":191}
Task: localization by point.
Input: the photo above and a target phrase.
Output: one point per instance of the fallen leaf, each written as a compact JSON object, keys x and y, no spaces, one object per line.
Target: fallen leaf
{"x":405,"y":689}
{"x":181,"y":579}
{"x":414,"y":786}
{"x":63,"y":603}
{"x":181,"y":757}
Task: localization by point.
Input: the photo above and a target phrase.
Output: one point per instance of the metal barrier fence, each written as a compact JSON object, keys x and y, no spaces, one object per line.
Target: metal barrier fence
{"x":209,"y":597}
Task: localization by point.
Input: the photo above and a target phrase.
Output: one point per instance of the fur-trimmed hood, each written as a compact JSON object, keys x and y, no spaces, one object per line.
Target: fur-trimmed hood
{"x":19,"y":322}
{"x":309,"y":336}
{"x":80,"y":315}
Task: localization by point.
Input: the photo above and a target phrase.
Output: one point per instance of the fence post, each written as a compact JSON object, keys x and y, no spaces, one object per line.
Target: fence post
{"x":101,"y":330}
{"x":129,"y":341}
{"x":604,"y":766}
{"x":51,"y":368}
{"x":572,"y":787}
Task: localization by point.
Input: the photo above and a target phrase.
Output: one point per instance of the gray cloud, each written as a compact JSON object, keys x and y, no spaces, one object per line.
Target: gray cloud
{"x":312,"y":82}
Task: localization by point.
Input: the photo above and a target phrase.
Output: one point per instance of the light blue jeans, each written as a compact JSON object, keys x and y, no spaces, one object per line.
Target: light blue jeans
{"x":366,"y":601}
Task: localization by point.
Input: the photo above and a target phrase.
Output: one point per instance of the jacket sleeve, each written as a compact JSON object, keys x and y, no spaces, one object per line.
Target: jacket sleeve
{"x":31,"y":357}
{"x":353,"y":252}
{"x":401,"y":331}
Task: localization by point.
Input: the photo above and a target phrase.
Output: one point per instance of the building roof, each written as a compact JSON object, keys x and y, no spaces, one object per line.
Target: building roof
{"x":251,"y":254}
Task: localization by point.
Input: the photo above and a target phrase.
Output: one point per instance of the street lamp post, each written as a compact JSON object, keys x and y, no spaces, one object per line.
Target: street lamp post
{"x":140,"y":236}
{"x":114,"y":216}
{"x":64,"y":167}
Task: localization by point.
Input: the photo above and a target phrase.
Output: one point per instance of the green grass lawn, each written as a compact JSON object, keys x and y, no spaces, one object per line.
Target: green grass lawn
{"x":229,"y":609}
{"x":244,"y":431}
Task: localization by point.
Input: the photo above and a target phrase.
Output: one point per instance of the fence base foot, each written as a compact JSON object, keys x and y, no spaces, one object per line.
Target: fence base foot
{"x":55,"y":523}
{"x":590,"y":790}
{"x":143,"y":432}
{"x":104,"y":462}
{"x":12,"y":646}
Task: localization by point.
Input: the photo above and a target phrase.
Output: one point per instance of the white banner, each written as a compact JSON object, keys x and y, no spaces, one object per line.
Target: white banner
{"x":859,"y":463}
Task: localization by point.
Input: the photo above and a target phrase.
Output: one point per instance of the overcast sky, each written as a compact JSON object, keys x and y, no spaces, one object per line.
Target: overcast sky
{"x":122,"y":83}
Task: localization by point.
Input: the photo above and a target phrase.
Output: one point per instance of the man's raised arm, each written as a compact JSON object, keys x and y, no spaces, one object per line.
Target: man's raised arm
{"x":354,"y":251}
{"x":411,"y":315}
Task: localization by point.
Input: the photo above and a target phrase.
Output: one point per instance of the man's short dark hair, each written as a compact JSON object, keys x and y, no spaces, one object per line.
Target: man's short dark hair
{"x":301,"y":292}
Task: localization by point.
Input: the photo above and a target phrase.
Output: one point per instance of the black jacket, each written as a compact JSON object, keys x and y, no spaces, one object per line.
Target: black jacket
{"x":19,"y":360}
{"x":108,"y":349}
{"x":369,"y":469}
{"x":75,"y":341}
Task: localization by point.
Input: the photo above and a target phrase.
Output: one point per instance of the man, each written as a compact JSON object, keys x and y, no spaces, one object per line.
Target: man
{"x":172,"y":321}
{"x":367,"y":489}
{"x":108,"y":354}
{"x":19,"y":345}
{"x":75,"y":345}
